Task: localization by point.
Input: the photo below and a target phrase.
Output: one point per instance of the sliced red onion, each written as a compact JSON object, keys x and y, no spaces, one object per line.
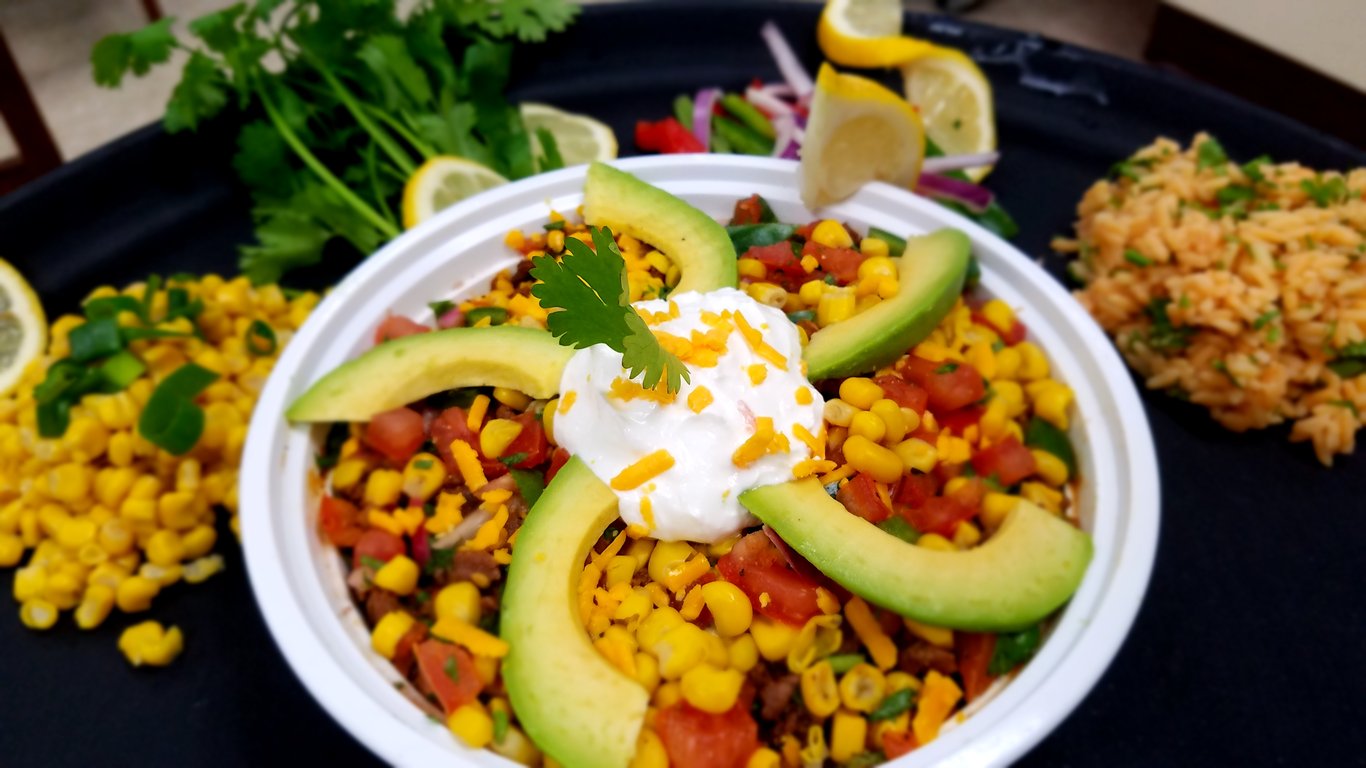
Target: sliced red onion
{"x":774,"y":106}
{"x":784,"y":128}
{"x":701,"y":115}
{"x":452,"y":319}
{"x":422,"y":549}
{"x":972,"y":195}
{"x":792,"y":152}
{"x":778,"y":89}
{"x":791,"y":68}
{"x":959,"y":162}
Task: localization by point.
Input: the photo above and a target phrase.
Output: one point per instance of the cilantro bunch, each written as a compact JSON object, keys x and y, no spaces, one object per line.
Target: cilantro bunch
{"x":342,"y":101}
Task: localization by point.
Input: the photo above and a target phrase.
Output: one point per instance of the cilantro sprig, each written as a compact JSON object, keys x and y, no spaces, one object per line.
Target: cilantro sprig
{"x":589,"y":285}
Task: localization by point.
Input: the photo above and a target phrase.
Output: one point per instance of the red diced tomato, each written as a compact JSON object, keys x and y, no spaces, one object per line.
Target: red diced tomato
{"x":914,"y":489}
{"x":398,"y":326}
{"x":1011,"y":336}
{"x":695,"y":738}
{"x":340,"y":521}
{"x":557,"y":460}
{"x":396,"y":434}
{"x":951,"y":385}
{"x":958,"y":421}
{"x":843,"y":263}
{"x":939,"y":514}
{"x":530,"y":441}
{"x":1008,"y":461}
{"x":895,"y":744}
{"x":756,"y":566}
{"x":859,"y":496}
{"x":449,"y":673}
{"x":667,"y":136}
{"x":903,"y":393}
{"x":403,"y":651}
{"x":975,"y":650}
{"x":379,"y":545}
{"x":747,"y":211}
{"x":450,"y":425}
{"x":784,"y":268}
{"x":970,"y":493}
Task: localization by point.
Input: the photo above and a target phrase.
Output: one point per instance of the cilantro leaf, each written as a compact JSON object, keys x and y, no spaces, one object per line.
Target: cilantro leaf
{"x":201,"y":93}
{"x":1350,"y":360}
{"x":1326,"y":193}
{"x":1210,"y":154}
{"x":591,"y":287}
{"x":528,"y":20}
{"x":1164,"y":336}
{"x":1013,"y":649}
{"x":116,"y":55}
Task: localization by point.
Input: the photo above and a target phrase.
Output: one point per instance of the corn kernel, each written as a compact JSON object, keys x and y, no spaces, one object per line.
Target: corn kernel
{"x":1008,"y":364}
{"x":1033,"y":364}
{"x":839,"y":412}
{"x":848,"y":733}
{"x":399,"y":575}
{"x":1052,"y":404}
{"x":831,"y":234}
{"x":730,"y":608}
{"x":764,"y":757}
{"x":95,"y":606}
{"x":423,"y":476}
{"x":511,"y":398}
{"x":388,"y":631}
{"x":647,"y":671}
{"x":165,"y":548}
{"x":811,"y":291}
{"x":835,"y":305}
{"x":862,"y":688}
{"x":751,"y":268}
{"x":11,"y":550}
{"x":819,"y":690}
{"x":1042,"y":495}
{"x":999,"y":314}
{"x":497,"y":435}
{"x":893,"y":420}
{"x":860,"y":392}
{"x":864,"y":455}
{"x":680,"y":649}
{"x":767,"y":294}
{"x":148,"y":643}
{"x":650,"y":752}
{"x":917,"y":454}
{"x":37,"y":613}
{"x":135,"y":594}
{"x":199,"y":570}
{"x":774,"y":639}
{"x":710,"y":689}
{"x":868,"y":426}
{"x":743,"y":653}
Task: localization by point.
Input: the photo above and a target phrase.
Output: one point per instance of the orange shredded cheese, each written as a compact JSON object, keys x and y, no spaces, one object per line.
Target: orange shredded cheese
{"x":803,"y":396}
{"x":757,"y":373}
{"x":699,"y":399}
{"x":467,"y":464}
{"x":756,"y":445}
{"x":567,"y":401}
{"x":756,"y":342}
{"x":640,"y":472}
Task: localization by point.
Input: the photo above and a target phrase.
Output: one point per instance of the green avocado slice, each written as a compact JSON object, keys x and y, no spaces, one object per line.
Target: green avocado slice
{"x":696,"y":243}
{"x":932,"y":271}
{"x":574,"y":704}
{"x":1026,"y":570}
{"x":401,"y":371}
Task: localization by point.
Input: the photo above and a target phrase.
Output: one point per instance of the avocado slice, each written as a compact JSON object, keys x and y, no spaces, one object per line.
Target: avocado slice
{"x":575,"y":705}
{"x":1029,"y":567}
{"x":696,"y":243}
{"x":932,"y":271}
{"x":400,"y":371}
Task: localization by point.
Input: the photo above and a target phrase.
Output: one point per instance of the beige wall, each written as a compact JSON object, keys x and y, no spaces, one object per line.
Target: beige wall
{"x":1324,"y":35}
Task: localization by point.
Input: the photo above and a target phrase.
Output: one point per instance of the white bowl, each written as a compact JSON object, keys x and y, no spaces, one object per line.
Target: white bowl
{"x":299,"y":580}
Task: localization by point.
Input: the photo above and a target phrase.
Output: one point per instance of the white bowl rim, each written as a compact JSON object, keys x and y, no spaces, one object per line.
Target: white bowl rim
{"x":1087,"y":636}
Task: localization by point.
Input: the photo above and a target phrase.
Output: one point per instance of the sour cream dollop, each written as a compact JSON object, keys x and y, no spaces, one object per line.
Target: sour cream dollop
{"x":744,"y":360}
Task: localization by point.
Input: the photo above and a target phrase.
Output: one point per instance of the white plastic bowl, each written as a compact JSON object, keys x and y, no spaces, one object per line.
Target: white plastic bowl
{"x":299,"y":580}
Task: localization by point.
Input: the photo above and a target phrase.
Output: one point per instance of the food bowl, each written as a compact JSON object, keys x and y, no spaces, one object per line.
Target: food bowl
{"x":299,"y":579}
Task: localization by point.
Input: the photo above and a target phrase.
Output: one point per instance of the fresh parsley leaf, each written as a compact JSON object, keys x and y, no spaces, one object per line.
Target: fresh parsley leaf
{"x":116,"y":55}
{"x":530,"y":484}
{"x":1325,"y":193}
{"x":893,"y":705}
{"x":946,"y":368}
{"x":201,"y":93}
{"x":529,"y":20}
{"x":1132,"y":168}
{"x":513,"y":460}
{"x":440,"y":308}
{"x":1350,"y":360}
{"x":1012,"y":650}
{"x":591,"y":289}
{"x":373,"y":563}
{"x":898,"y":527}
{"x":1253,"y":168}
{"x":1163,"y":336}
{"x":451,"y":669}
{"x":1210,"y":154}
{"x":1233,"y":199}
{"x":439,"y":559}
{"x":843,"y":662}
{"x":550,"y":151}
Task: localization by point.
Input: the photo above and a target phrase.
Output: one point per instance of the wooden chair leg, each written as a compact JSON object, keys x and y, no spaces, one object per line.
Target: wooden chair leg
{"x":37,"y":152}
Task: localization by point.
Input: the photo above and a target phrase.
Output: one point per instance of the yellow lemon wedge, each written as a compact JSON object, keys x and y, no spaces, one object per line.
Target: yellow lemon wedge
{"x":443,"y":181}
{"x":866,"y":34}
{"x":579,"y":139}
{"x":954,"y":99}
{"x":23,"y":326}
{"x":857,"y":131}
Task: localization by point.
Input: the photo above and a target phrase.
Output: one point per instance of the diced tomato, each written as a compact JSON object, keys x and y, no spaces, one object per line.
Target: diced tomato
{"x":951,"y":385}
{"x":843,"y":263}
{"x":895,"y":744}
{"x":403,"y":652}
{"x":695,"y":738}
{"x":557,"y":460}
{"x":1011,"y":336}
{"x":970,"y":494}
{"x":959,"y":420}
{"x":340,"y":521}
{"x":1008,"y":461}
{"x":530,"y":441}
{"x":398,"y":326}
{"x":914,"y":489}
{"x":903,"y":393}
{"x":667,"y":136}
{"x":784,"y":268}
{"x":756,"y":566}
{"x":449,"y":672}
{"x":939,"y":514}
{"x":377,"y":545}
{"x":453,"y":424}
{"x":396,"y":434}
{"x":859,"y":496}
{"x":975,"y":650}
{"x":747,"y":211}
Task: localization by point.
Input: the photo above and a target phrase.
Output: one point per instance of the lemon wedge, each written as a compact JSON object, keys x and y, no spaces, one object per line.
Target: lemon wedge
{"x":580,"y":139}
{"x":857,"y":131}
{"x":23,"y":326}
{"x":442,"y":181}
{"x":866,"y":34}
{"x":954,"y":99}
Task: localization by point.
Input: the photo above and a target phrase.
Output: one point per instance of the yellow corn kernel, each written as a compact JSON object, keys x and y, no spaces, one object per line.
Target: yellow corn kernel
{"x":511,"y":398}
{"x":619,"y":647}
{"x":810,"y":263}
{"x":867,"y":425}
{"x":763,"y":757}
{"x":743,"y":653}
{"x":479,"y":642}
{"x":647,"y":671}
{"x":791,"y":750}
{"x":399,"y":575}
{"x":459,"y":601}
{"x":893,"y":421}
{"x":667,"y":558}
{"x":999,"y":314}
{"x":1052,"y":469}
{"x":478,"y":410}
{"x":69,"y":483}
{"x":862,"y":688}
{"x":423,"y":476}
{"x":667,"y":695}
{"x":730,"y":608}
{"x":383,"y":487}
{"x":832,"y":234}
{"x":817,"y":639}
{"x":177,"y":510}
{"x":774,"y":639}
{"x":650,"y":752}
{"x":936,"y":542}
{"x":835,"y":305}
{"x":878,"y":264}
{"x":888,"y":287}
{"x":980,"y":356}
{"x":917,"y":454}
{"x":643,"y":470}
{"x":937,"y":636}
{"x":839,"y":412}
{"x":73,"y":533}
{"x":199,"y":570}
{"x":135,"y":594}
{"x":819,"y":690}
{"x":860,"y":392}
{"x":848,"y":733}
{"x":165,"y":548}
{"x":768,"y":294}
{"x":967,"y":535}
{"x":37,"y":613}
{"x":388,"y":631}
{"x":811,"y":291}
{"x":1042,"y":495}
{"x":1052,"y":404}
{"x":497,"y":435}
{"x":936,"y":700}
{"x":349,"y":472}
{"x":1033,"y":364}
{"x":11,"y":550}
{"x":995,"y":507}
{"x":29,"y":582}
{"x":198,"y":541}
{"x":470,"y":723}
{"x":680,"y":649}
{"x":864,"y":455}
{"x":149,"y":643}
{"x":95,"y":606}
{"x":1008,"y":364}
{"x":751,"y":268}
{"x":710,"y":689}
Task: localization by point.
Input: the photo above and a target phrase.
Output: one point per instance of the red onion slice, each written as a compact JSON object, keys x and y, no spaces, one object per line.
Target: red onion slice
{"x":774,"y":106}
{"x":972,"y":195}
{"x":701,"y":115}
{"x":452,"y":319}
{"x":791,"y":68}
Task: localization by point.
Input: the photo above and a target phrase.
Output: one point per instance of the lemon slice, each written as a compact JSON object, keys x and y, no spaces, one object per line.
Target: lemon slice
{"x":857,"y":131}
{"x":954,"y":99}
{"x":23,"y":326}
{"x":867,"y":34}
{"x":579,"y":139}
{"x":442,"y":181}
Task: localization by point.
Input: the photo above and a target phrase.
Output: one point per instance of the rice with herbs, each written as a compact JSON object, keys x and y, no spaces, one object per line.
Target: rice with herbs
{"x":1239,"y":287}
